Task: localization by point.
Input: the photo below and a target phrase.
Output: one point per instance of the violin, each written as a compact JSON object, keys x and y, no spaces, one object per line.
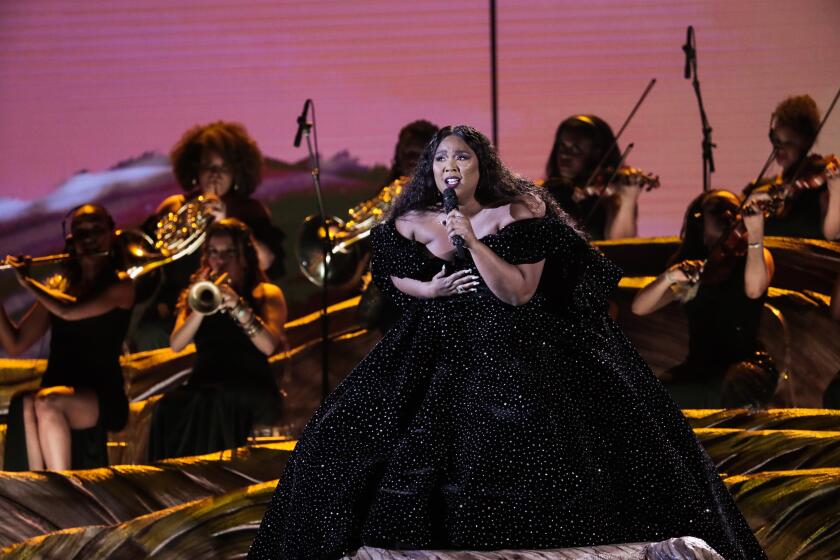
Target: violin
{"x":609,"y":181}
{"x":722,"y":259}
{"x":733,"y":244}
{"x":815,"y":171}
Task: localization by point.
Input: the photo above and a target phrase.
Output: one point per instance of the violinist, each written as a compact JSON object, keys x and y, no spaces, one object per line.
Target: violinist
{"x":808,"y":184}
{"x":722,"y":286}
{"x":603,"y":198}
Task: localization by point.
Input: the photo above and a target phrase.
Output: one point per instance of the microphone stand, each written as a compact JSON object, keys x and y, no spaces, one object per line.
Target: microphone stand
{"x":691,"y":70}
{"x":310,"y":131}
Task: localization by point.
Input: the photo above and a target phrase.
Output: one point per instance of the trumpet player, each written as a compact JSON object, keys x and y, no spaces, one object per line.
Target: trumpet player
{"x":87,"y":307}
{"x":723,"y":301}
{"x":231,"y":386}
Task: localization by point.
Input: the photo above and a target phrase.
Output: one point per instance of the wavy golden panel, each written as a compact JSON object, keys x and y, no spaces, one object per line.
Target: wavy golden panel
{"x":794,"y":514}
{"x":750,"y":451}
{"x":773,"y":419}
{"x":39,"y":502}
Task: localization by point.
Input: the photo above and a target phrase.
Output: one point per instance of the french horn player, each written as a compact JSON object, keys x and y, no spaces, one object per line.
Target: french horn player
{"x":219,"y":168}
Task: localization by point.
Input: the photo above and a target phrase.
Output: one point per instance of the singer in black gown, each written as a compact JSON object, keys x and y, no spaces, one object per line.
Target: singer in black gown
{"x":479,"y":424}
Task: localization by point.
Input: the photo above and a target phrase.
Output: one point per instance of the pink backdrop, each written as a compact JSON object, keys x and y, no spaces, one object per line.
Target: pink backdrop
{"x":86,"y":84}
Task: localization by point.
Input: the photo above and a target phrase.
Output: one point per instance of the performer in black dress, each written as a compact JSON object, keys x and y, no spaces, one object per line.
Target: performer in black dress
{"x":505,"y":409}
{"x":231,"y":386}
{"x":63,"y":425}
{"x":812,"y":212}
{"x":726,"y":365}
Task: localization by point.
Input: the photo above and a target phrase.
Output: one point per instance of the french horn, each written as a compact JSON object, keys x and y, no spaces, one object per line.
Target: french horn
{"x":349,"y":255}
{"x":178,"y":232}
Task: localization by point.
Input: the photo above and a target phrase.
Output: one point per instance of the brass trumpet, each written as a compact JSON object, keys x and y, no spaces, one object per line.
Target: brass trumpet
{"x":205,"y":297}
{"x":348,"y":258}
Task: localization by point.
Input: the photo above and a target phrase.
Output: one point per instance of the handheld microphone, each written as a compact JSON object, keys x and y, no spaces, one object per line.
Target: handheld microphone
{"x":690,"y":53}
{"x":450,"y":203}
{"x":302,"y":124}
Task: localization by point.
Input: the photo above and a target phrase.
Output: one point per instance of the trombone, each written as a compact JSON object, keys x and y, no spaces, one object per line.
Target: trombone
{"x":177,"y":234}
{"x":48,"y":259}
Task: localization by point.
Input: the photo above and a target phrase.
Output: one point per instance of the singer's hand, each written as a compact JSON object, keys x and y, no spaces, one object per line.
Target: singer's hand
{"x":457,"y":224}
{"x":459,"y":282}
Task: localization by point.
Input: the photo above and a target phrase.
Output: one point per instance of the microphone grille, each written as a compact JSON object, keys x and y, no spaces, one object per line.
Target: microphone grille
{"x":450,"y":199}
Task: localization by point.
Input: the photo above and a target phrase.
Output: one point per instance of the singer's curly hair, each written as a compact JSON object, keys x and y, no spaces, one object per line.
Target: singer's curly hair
{"x":800,"y":113}
{"x":231,"y":141}
{"x":497,"y":185}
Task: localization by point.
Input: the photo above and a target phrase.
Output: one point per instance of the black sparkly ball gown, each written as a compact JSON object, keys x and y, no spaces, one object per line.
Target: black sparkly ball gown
{"x":474,"y":424}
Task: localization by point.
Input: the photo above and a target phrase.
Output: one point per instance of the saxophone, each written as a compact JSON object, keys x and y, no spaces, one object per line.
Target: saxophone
{"x":348,"y":258}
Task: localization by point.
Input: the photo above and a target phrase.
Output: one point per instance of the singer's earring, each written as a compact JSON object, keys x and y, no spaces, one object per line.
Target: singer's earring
{"x":235,"y":187}
{"x":194,"y":181}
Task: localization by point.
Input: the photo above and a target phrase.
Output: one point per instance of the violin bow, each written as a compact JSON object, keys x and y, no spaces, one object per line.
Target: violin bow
{"x":614,"y":144}
{"x":609,"y":150}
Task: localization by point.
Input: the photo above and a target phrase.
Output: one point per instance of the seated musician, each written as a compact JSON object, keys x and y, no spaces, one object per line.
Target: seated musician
{"x":231,"y":387}
{"x":809,"y":182}
{"x":221,"y":161}
{"x":63,"y":424}
{"x":604,"y":211}
{"x":722,"y":286}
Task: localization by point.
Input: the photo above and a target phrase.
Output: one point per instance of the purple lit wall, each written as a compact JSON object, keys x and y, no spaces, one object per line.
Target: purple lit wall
{"x":86,"y":84}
